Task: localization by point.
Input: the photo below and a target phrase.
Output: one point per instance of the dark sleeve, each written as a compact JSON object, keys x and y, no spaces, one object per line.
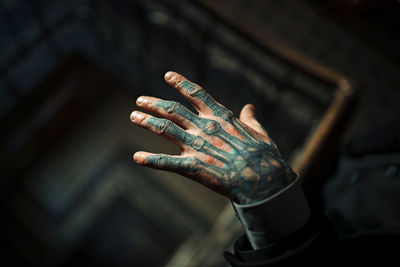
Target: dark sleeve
{"x":314,"y":243}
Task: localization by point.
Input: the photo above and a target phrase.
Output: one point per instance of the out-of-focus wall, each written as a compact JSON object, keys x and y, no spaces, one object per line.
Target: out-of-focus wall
{"x":70,"y":72}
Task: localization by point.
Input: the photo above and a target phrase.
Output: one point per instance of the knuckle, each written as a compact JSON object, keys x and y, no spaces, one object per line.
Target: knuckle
{"x":164,"y":125}
{"x":171,"y":106}
{"x":188,"y":164}
{"x":185,"y":139}
{"x":197,"y":91}
{"x":198,"y":143}
{"x":211,"y":126}
{"x":188,"y":86}
{"x":162,"y":161}
{"x":224,"y":113}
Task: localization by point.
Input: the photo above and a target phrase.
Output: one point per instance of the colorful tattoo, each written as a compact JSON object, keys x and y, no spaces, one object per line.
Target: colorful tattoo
{"x":230,"y":157}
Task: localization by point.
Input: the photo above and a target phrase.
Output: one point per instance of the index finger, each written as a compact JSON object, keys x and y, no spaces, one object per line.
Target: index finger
{"x":202,"y":101}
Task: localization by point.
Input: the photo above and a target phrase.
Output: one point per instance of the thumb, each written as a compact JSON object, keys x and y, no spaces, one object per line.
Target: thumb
{"x":247,"y":115}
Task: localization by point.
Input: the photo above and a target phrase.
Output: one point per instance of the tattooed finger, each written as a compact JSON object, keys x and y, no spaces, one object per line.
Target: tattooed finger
{"x":165,"y":162}
{"x":200,"y":99}
{"x":167,"y":129}
{"x":169,"y":109}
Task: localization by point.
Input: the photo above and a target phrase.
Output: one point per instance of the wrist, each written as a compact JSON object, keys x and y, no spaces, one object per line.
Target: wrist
{"x":255,"y":192}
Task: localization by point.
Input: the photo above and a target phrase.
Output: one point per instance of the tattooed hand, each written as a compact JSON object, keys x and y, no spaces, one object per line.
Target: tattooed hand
{"x":234,"y":157}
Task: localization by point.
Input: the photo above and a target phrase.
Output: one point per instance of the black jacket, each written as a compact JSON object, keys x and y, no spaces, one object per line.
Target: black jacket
{"x":316,"y":243}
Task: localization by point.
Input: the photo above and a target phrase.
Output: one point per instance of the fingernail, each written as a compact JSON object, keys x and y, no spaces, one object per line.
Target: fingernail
{"x":138,"y":157}
{"x":140,"y":100}
{"x":136,"y":116}
{"x":168,"y":76}
{"x":253,"y":108}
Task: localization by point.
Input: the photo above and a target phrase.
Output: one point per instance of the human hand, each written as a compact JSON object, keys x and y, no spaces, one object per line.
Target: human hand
{"x":234,"y":157}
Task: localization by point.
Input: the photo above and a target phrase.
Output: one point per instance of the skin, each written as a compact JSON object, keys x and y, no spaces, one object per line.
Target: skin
{"x":232,"y":156}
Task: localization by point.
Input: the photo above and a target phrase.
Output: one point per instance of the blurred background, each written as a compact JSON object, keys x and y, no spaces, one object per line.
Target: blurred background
{"x":70,"y":72}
